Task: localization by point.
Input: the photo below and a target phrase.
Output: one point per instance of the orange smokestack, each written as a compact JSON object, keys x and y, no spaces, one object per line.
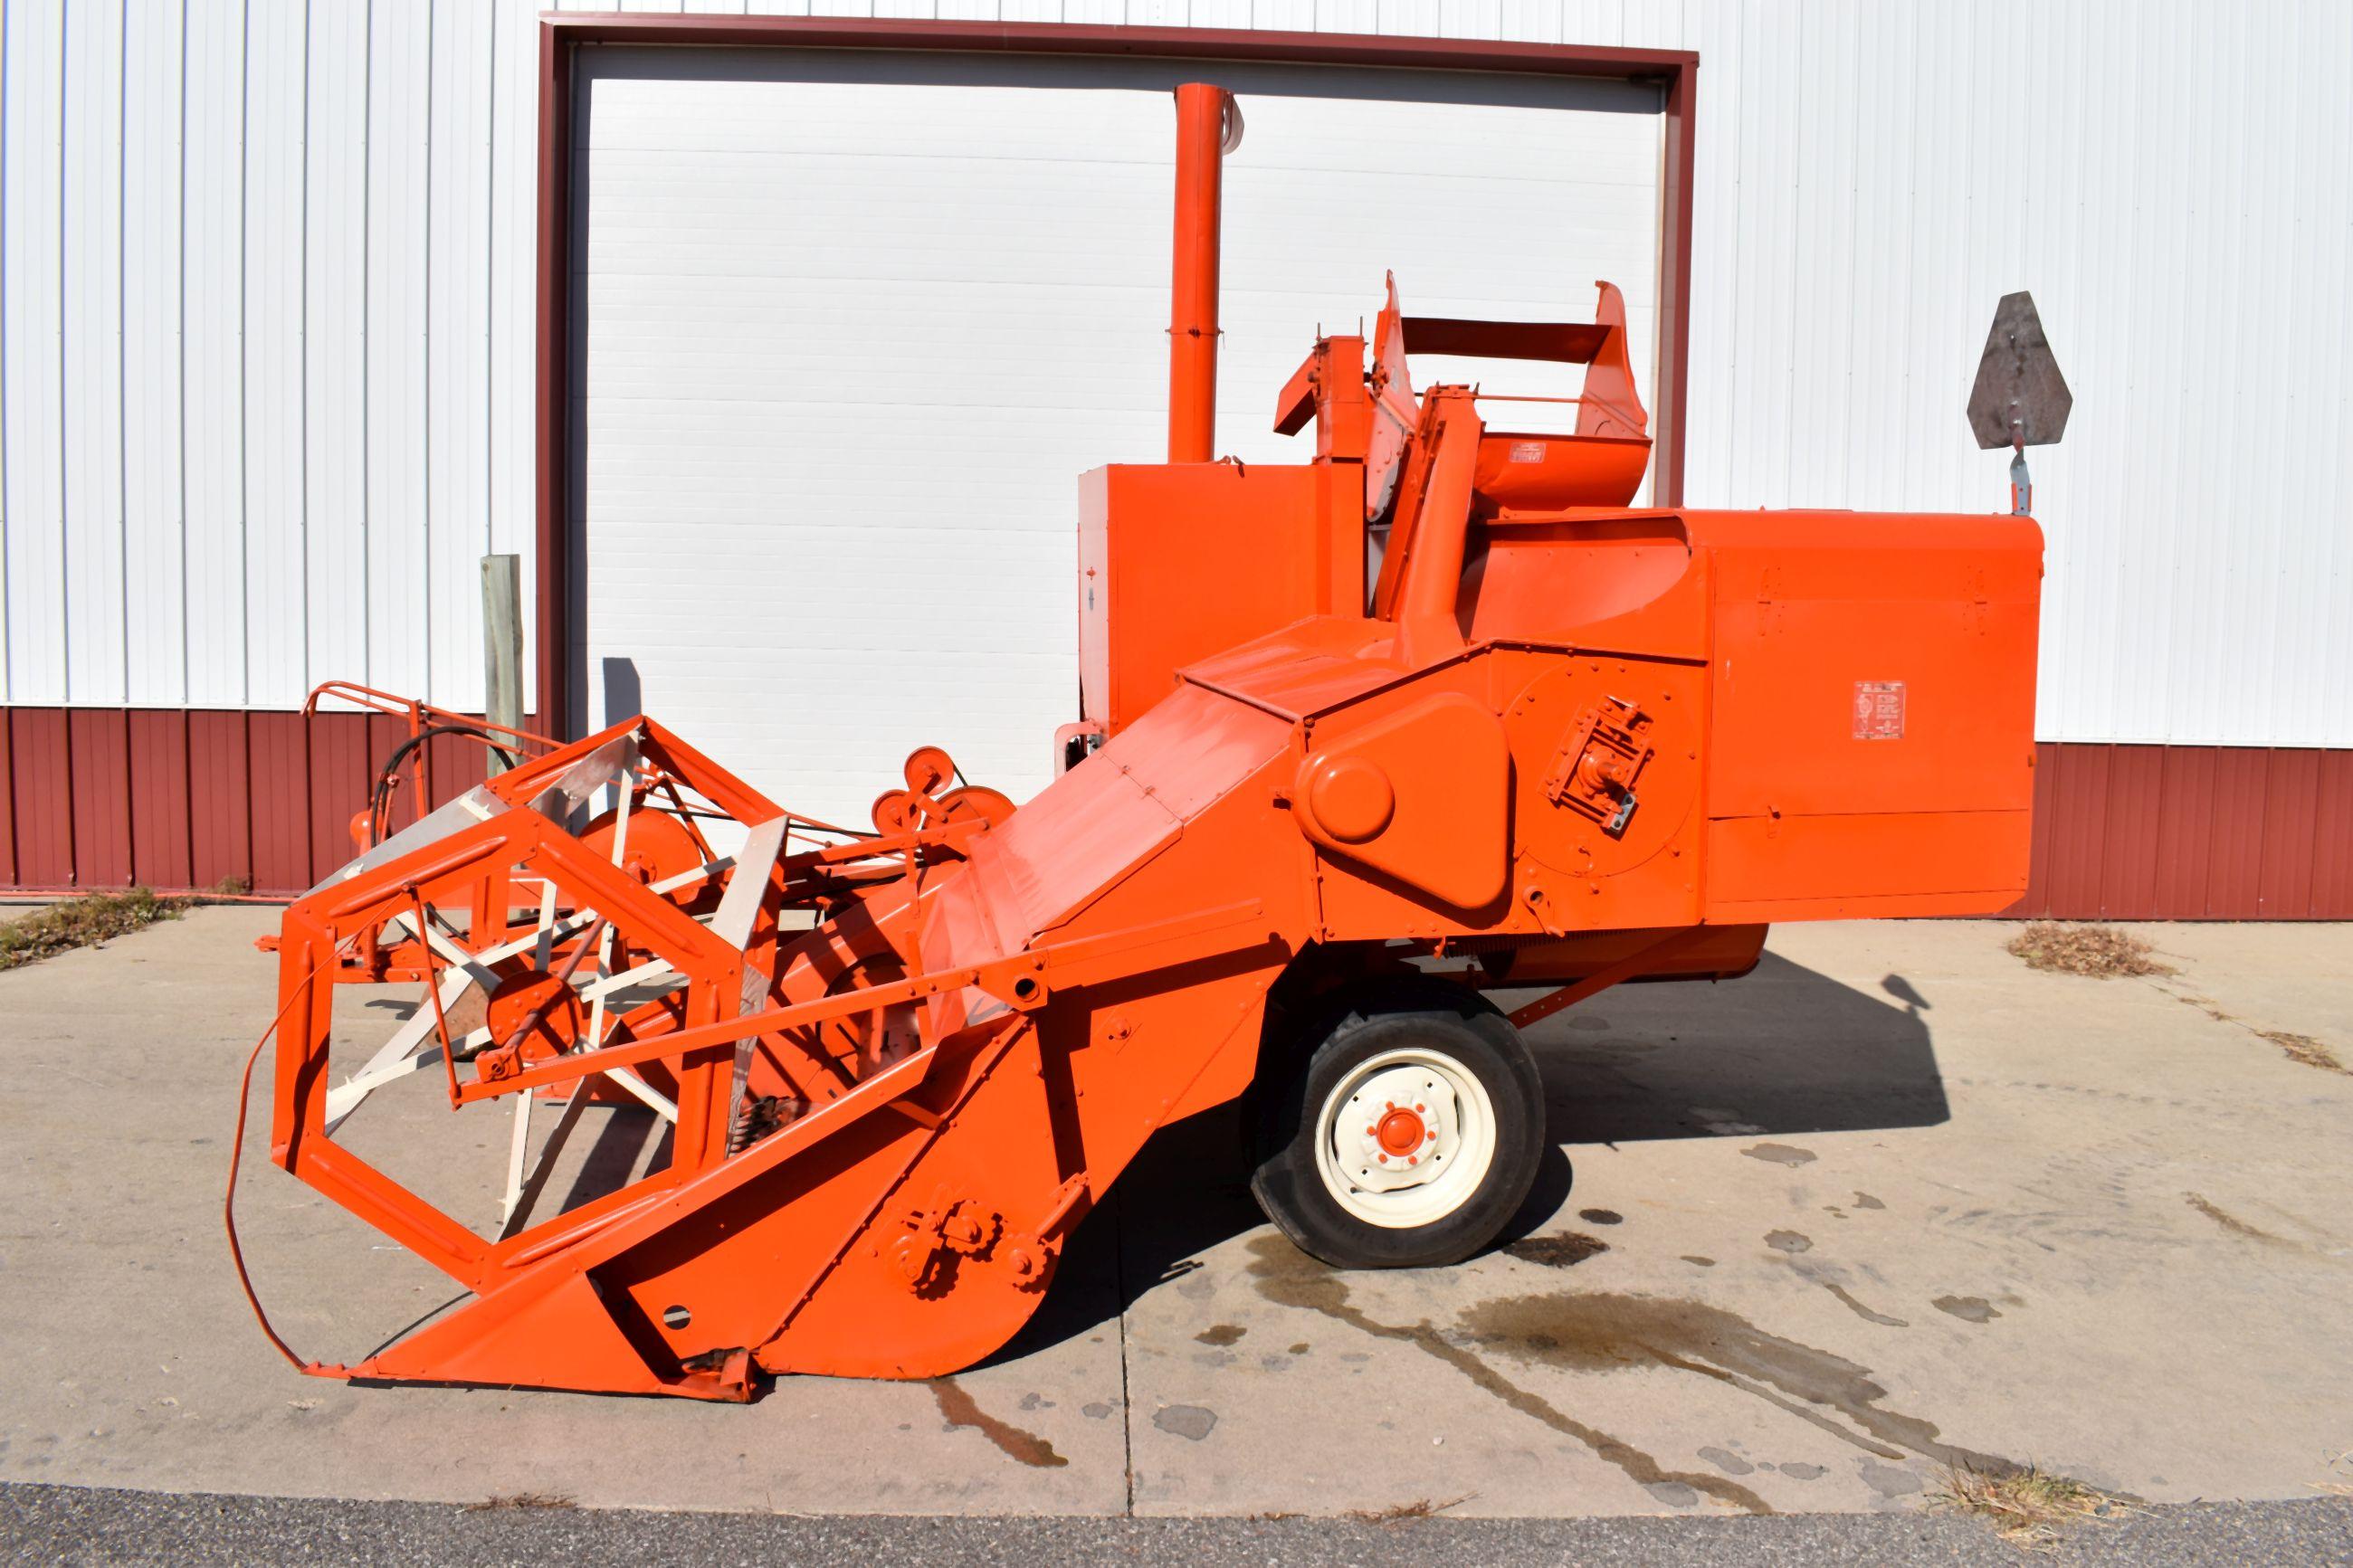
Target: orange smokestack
{"x":1209,"y":126}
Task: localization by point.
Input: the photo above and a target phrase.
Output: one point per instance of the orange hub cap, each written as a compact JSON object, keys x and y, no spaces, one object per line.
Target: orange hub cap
{"x":1400,"y":1130}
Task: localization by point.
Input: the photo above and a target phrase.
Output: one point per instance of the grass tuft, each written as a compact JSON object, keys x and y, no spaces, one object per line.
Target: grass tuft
{"x":507,"y":1502}
{"x":85,"y":922}
{"x":1408,"y":1512}
{"x":2100,"y":951}
{"x":2029,"y":1507}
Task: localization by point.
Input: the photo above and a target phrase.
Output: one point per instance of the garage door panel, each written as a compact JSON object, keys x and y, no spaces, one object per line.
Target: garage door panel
{"x":819,"y":341}
{"x":672,"y":216}
{"x":851,"y":326}
{"x":932,"y":466}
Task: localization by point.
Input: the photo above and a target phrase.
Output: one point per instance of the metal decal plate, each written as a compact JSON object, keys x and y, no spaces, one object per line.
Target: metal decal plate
{"x":1878,"y":709}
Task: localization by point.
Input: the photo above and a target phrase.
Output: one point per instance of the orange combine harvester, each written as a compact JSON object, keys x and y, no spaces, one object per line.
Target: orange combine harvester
{"x":1469,"y":722}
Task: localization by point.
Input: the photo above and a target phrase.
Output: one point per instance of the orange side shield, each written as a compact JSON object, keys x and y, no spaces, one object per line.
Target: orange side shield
{"x":1423,"y":796}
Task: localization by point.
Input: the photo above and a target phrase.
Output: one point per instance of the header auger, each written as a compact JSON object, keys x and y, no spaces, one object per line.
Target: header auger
{"x":1471,"y":723}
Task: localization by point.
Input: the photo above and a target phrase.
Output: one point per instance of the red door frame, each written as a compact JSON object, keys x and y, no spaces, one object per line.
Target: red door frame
{"x":1676,"y":71}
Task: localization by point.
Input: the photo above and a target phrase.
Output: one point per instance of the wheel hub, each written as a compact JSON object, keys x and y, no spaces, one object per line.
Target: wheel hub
{"x":1402,"y":1133}
{"x":1407,"y":1137}
{"x":1396,"y":1128}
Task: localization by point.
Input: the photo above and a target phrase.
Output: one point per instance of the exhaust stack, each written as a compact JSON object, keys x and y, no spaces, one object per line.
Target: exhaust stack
{"x":1209,"y":126}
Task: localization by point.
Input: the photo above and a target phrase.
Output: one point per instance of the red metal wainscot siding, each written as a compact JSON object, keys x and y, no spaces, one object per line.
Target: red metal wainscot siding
{"x":204,"y":801}
{"x":2229,"y":832}
{"x":106,"y":798}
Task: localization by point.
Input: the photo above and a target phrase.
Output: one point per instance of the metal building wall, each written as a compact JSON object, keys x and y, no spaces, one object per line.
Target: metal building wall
{"x":265,"y":299}
{"x":265,"y":344}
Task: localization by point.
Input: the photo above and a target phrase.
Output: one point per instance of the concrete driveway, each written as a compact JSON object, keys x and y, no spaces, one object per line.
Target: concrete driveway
{"x":1891,"y":1204}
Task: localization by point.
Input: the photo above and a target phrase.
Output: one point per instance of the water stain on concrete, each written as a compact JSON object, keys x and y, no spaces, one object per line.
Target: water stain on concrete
{"x":956,"y":1404}
{"x":1221,"y":1334}
{"x":1969,"y":1308}
{"x":1802,"y":1472}
{"x":1609,"y":1333}
{"x":1846,"y":1298}
{"x":1094,"y":1410}
{"x":1780,"y":1154}
{"x":1834,"y":1279}
{"x":1601,"y":1217}
{"x":1674,"y":1494}
{"x":1190,"y":1421}
{"x":1788,"y":1241}
{"x":1730,"y":1463}
{"x":1887,"y":1481}
{"x":1696,"y":1262}
{"x":1289,"y":1277}
{"x":1561,"y":1251}
{"x":1865,"y":1201}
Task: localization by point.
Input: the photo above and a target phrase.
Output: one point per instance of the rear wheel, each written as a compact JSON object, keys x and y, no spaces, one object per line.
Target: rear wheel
{"x":1407,"y":1133}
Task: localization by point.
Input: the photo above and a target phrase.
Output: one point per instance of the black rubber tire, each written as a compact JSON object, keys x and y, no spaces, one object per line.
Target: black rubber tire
{"x":1374,"y":1017}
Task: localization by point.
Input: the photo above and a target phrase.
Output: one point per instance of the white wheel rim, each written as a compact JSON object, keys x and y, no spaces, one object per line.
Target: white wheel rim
{"x":1405,"y":1139}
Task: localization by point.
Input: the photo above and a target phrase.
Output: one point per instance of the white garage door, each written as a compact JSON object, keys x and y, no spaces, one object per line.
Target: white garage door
{"x":851,"y":325}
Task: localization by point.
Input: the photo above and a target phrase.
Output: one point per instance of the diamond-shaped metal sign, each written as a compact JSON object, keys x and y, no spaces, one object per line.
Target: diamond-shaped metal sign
{"x":2020,"y":392}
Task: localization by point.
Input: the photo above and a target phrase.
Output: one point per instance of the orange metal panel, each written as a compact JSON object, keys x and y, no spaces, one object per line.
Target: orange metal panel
{"x":1163,"y":579}
{"x":1822,"y":868}
{"x":1816,"y":612}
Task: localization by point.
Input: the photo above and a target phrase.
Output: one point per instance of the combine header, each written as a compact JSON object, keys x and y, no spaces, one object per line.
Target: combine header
{"x":1363,"y":739}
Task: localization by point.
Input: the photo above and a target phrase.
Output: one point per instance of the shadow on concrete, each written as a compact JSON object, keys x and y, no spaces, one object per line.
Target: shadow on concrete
{"x":1783,"y":1050}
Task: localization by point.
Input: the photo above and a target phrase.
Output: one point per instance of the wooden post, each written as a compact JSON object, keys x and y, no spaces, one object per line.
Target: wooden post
{"x":503,"y":644}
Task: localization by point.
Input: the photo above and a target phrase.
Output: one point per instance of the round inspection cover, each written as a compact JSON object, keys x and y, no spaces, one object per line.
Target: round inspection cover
{"x":1352,"y":798}
{"x":1544,"y":718}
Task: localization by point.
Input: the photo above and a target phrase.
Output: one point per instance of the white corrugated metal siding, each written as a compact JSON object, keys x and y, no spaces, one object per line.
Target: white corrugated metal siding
{"x":265,"y":327}
{"x":265,"y":343}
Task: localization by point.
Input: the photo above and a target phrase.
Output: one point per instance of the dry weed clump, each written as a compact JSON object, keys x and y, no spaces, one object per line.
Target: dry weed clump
{"x":510,"y":1502}
{"x":2304,"y":1048}
{"x":2026,"y":1507}
{"x":2100,"y":951}
{"x":82,"y":922}
{"x":1408,"y":1512}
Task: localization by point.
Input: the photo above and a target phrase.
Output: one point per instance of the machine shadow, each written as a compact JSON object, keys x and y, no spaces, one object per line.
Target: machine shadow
{"x":1782,"y":1051}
